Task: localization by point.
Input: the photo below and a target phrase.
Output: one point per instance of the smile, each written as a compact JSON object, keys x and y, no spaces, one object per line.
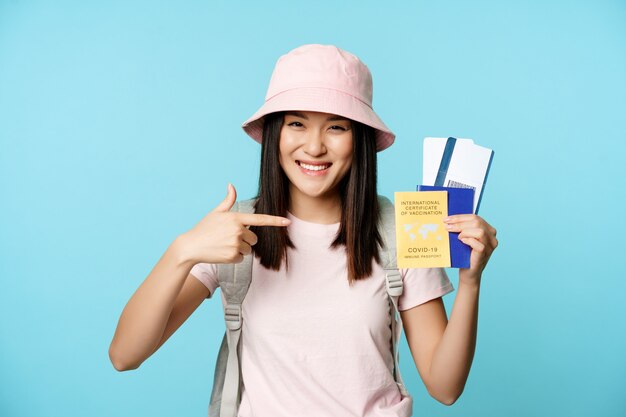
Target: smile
{"x":313,"y":167}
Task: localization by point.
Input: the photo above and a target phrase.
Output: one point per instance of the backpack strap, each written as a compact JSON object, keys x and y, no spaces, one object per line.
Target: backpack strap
{"x":234,"y":281}
{"x":393,"y":281}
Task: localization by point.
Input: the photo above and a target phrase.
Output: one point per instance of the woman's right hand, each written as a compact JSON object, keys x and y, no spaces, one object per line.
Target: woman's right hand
{"x":223,"y":236}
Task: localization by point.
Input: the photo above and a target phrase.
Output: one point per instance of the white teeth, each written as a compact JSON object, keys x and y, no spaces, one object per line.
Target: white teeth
{"x":313,"y":167}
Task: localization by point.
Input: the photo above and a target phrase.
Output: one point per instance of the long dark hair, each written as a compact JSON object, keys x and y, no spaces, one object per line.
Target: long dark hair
{"x":359,"y":203}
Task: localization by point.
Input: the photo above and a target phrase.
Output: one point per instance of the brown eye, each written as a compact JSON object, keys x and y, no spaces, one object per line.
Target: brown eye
{"x":337,"y":127}
{"x":295,"y":124}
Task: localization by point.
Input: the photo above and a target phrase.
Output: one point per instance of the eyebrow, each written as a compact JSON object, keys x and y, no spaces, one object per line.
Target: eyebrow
{"x":330,"y":119}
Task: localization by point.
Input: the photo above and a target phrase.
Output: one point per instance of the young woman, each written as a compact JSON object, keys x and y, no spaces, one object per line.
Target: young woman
{"x":315,"y":337}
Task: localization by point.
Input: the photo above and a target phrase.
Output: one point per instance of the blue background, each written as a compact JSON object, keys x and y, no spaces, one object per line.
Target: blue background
{"x":120,"y":128}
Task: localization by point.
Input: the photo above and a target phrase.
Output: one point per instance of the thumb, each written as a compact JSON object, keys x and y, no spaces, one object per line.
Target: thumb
{"x":228,"y":202}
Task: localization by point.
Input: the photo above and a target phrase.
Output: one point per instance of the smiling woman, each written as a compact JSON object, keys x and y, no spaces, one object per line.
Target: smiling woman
{"x":315,"y":154}
{"x":344,"y":193}
{"x":316,"y":327}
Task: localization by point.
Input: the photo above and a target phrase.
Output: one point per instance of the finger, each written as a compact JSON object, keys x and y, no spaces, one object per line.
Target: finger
{"x":457,"y":218}
{"x":474,"y":244}
{"x":228,"y":202}
{"x":249,"y":237}
{"x":459,"y":227}
{"x":262,"y":220}
{"x":245,"y":249}
{"x":475,"y":232}
{"x":484,"y":236}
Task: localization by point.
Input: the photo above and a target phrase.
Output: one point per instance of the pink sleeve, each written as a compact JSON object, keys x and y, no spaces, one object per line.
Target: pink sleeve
{"x":206,"y":274}
{"x":421,"y":285}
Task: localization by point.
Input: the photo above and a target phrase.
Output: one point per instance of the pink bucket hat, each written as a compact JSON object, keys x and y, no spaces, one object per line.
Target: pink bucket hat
{"x":321,"y":78}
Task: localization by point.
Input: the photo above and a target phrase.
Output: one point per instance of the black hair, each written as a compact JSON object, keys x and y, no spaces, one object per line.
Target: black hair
{"x":358,"y":231}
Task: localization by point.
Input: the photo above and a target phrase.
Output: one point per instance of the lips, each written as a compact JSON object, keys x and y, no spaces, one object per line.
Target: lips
{"x":314,"y":166}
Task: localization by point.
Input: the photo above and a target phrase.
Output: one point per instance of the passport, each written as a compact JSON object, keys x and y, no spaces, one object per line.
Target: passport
{"x":422,"y":240}
{"x":460,"y":201}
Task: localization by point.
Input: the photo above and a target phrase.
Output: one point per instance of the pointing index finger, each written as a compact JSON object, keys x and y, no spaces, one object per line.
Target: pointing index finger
{"x":250,"y":219}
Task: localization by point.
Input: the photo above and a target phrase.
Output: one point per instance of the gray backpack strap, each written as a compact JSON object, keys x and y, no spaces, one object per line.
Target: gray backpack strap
{"x":234,"y":281}
{"x":393,"y":281}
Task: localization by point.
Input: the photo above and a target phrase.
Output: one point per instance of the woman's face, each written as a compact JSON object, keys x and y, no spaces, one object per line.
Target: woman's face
{"x":315,"y":152}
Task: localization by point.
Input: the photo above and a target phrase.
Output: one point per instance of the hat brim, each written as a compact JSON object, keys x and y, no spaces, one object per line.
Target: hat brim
{"x":323,"y":100}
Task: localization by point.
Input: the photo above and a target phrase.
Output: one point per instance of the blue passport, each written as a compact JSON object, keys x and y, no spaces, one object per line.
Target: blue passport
{"x":460,"y":201}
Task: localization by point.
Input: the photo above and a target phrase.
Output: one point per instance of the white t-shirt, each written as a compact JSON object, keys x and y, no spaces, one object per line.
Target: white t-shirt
{"x":312,"y":345}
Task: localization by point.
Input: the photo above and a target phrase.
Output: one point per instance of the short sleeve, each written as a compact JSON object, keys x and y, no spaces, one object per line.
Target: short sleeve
{"x":422,"y":285}
{"x":206,"y":274}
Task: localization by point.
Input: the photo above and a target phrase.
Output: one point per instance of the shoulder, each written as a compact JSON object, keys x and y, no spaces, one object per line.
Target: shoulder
{"x":422,"y":285}
{"x":207,"y":274}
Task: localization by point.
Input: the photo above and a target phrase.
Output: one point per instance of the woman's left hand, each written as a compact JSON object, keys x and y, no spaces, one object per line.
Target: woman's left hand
{"x":480,"y":236}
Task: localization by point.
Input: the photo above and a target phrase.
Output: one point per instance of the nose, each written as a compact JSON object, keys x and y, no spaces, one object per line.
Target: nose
{"x":314,"y":143}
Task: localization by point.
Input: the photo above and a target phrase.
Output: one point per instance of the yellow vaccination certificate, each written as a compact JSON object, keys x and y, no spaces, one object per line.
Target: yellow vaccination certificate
{"x":421,"y":237}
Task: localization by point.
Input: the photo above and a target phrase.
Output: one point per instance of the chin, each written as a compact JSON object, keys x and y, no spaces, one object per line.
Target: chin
{"x":315,"y":192}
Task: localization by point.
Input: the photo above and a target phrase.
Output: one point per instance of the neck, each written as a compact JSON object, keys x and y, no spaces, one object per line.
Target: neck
{"x":323,"y":210}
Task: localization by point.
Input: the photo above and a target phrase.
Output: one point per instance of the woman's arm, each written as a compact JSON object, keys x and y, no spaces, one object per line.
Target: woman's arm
{"x":443,"y":350}
{"x":169,"y":294}
{"x":146,"y":315}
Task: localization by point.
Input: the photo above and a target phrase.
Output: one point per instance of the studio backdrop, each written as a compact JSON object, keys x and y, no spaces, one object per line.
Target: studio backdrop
{"x":120,"y":129}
